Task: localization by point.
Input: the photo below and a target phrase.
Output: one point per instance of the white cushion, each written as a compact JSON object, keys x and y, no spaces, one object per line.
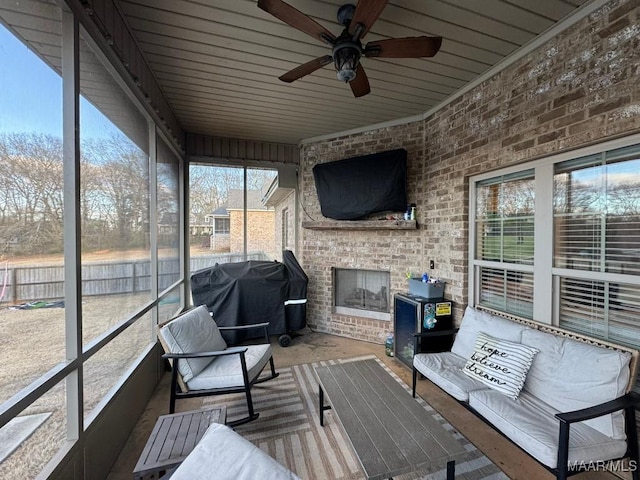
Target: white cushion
{"x":530,"y":424}
{"x":226,"y":371}
{"x":565,"y":370}
{"x":192,"y":332}
{"x":500,"y":364}
{"x":445,"y":369}
{"x":225,"y":455}
{"x":476,"y":321}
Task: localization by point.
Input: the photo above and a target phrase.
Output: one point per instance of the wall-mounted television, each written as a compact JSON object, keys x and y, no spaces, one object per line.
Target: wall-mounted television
{"x":355,"y":187}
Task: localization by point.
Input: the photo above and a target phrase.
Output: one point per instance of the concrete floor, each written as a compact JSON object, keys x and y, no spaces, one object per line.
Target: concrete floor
{"x":312,"y":347}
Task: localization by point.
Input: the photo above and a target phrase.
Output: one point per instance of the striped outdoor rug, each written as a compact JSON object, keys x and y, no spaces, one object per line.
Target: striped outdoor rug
{"x":288,"y":429}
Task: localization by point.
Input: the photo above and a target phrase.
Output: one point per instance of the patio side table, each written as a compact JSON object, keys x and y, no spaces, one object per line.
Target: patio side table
{"x":173,"y":437}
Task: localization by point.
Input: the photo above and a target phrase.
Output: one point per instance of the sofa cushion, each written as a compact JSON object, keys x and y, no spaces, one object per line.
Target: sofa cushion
{"x":446,"y":371}
{"x":475,"y":321}
{"x":530,"y":424}
{"x":565,"y":370}
{"x":223,"y":454}
{"x":226,"y":371}
{"x":500,"y":364}
{"x":193,"y":331}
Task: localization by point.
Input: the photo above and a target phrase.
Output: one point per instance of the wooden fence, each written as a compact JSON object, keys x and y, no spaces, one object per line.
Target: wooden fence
{"x":31,"y":283}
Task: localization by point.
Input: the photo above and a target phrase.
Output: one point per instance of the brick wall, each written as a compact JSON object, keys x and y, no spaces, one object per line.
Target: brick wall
{"x":260,"y":231}
{"x":580,"y":88}
{"x":287,"y":204}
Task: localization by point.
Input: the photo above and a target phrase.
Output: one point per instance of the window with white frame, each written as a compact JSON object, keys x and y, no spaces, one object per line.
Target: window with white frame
{"x":568,"y":225}
{"x":504,"y":242}
{"x":596,"y":202}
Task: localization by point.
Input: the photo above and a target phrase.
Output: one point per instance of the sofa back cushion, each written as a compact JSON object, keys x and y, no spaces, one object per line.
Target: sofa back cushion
{"x":476,"y":321}
{"x":571,"y":375}
{"x":192,"y":332}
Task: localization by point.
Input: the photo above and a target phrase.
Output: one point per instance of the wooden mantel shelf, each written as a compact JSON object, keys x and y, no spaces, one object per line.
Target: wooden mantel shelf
{"x":361,"y":225}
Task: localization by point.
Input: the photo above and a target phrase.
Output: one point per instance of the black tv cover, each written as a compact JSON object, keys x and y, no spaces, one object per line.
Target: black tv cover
{"x":352,"y":188}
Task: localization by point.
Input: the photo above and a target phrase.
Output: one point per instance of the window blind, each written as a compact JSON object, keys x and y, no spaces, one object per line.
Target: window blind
{"x":607,"y":310}
{"x":507,"y":290}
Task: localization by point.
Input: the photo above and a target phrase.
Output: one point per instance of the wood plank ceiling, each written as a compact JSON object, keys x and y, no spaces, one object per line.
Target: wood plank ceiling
{"x":218,"y":61}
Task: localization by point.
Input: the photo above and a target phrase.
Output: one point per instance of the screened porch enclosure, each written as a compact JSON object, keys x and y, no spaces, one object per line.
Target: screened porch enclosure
{"x":106,"y":108}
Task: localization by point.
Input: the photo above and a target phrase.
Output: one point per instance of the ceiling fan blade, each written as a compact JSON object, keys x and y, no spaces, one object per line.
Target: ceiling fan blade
{"x":360,"y":85}
{"x":367,"y":12}
{"x":296,"y":19}
{"x":306,"y":68}
{"x":409,"y":47}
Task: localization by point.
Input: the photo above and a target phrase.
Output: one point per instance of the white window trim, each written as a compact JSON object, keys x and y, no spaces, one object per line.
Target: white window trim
{"x":546,"y":277}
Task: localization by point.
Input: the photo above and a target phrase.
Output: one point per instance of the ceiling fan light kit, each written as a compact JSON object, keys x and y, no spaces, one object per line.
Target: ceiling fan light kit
{"x":346,"y":57}
{"x":347,"y":49}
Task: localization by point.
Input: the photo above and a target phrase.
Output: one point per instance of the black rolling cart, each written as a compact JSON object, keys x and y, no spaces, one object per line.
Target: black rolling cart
{"x":416,"y":314}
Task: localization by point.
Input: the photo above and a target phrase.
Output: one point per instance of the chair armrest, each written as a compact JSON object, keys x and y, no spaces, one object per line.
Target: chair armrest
{"x":429,"y":333}
{"x":216,"y":353}
{"x":439,"y":333}
{"x":247,"y":327}
{"x":620,"y":403}
{"x":244,"y":327}
{"x":628,"y":403}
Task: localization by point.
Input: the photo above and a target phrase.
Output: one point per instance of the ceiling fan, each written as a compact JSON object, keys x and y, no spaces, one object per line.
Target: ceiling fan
{"x":347,"y":48}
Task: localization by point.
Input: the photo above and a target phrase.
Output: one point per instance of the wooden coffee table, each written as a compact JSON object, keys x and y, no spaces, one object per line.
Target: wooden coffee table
{"x":390,"y":431}
{"x":173,"y":438}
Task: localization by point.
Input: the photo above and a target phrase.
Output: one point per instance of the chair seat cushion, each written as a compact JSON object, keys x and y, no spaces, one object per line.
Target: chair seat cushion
{"x":225,"y":455}
{"x":531,"y":424}
{"x":226,"y":371}
{"x":446,"y":371}
{"x":192,"y":332}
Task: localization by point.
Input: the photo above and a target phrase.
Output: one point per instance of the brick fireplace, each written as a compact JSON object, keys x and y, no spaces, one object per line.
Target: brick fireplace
{"x":362,"y":293}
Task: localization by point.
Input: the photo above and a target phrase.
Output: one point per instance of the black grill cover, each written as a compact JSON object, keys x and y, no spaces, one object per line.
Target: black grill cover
{"x":352,"y":188}
{"x":253,"y":292}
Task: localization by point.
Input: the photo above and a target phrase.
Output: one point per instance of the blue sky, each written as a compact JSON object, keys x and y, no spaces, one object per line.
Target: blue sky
{"x":31,"y":95}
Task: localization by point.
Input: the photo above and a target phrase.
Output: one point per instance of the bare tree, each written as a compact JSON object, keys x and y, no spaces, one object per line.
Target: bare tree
{"x":122,"y":190}
{"x":32,"y":192}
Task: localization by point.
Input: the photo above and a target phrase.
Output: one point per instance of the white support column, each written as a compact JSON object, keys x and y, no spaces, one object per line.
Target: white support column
{"x":543,"y":241}
{"x":183,"y":195}
{"x":72,"y":234}
{"x":246,"y":220}
{"x":472,"y":297}
{"x":153,"y":224}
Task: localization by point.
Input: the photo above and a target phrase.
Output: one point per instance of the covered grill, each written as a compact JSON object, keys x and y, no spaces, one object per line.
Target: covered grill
{"x":252,"y":292}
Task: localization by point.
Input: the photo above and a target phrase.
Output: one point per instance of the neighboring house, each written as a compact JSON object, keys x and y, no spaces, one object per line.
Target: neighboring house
{"x":220,"y":237}
{"x":200,"y":230}
{"x":228,"y":223}
{"x":199,"y":225}
{"x":281,"y":196}
{"x":168,"y":229}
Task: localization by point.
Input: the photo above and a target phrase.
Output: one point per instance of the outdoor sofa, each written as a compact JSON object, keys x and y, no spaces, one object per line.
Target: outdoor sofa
{"x":574,"y":411}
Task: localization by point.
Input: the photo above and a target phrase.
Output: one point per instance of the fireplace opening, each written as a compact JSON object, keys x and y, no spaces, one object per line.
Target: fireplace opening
{"x":361,"y":292}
